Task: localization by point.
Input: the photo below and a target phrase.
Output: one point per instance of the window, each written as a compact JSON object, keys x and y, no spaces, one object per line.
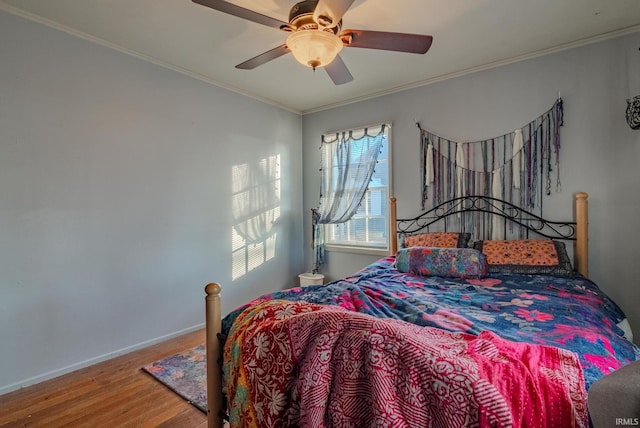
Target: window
{"x":369,"y":226}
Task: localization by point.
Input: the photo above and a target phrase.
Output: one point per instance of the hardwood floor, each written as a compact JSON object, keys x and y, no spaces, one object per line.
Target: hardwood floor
{"x":115,"y":393}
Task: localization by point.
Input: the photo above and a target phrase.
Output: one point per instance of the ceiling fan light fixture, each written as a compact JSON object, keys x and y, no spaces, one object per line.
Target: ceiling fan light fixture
{"x":314,"y":48}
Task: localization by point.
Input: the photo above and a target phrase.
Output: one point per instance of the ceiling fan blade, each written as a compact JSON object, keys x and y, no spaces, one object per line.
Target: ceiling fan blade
{"x":399,"y":42}
{"x":264,"y":57}
{"x":328,"y":13}
{"x":241,"y":12}
{"x":338,"y":71}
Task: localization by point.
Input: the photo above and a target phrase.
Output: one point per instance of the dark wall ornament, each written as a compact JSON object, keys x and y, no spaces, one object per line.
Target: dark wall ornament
{"x":633,"y":112}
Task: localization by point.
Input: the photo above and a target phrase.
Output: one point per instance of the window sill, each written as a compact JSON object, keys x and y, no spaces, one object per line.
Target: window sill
{"x":357,"y":250}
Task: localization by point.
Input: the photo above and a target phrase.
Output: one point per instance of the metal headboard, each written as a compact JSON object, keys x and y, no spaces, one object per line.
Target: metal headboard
{"x":512,"y":214}
{"x":576,"y":231}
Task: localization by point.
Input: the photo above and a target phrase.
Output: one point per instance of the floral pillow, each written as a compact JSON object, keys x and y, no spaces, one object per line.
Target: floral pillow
{"x":526,"y":256}
{"x":446,"y":262}
{"x":437,"y":239}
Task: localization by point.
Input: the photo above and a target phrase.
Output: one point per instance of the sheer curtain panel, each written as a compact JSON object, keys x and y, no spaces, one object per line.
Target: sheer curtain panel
{"x":348,"y":160}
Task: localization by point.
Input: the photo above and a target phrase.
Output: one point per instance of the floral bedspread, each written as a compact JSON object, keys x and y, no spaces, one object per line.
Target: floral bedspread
{"x":568,"y":313}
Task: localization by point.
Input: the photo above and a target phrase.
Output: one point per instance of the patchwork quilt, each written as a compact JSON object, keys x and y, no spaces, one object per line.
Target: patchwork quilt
{"x":386,"y":348}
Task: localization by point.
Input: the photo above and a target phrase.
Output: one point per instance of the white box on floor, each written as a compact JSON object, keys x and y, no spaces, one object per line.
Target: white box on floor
{"x":309,"y":278}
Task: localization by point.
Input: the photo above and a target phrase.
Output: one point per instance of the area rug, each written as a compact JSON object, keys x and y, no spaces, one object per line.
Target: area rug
{"x":185,"y":373}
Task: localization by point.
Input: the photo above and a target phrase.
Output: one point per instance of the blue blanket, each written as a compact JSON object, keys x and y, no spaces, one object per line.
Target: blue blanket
{"x":570,"y":313}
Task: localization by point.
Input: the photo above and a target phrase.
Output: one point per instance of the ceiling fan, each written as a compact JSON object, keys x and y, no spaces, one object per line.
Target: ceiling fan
{"x":316,"y":37}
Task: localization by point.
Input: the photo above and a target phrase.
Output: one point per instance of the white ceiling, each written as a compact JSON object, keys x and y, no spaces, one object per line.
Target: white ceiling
{"x":468,"y":35}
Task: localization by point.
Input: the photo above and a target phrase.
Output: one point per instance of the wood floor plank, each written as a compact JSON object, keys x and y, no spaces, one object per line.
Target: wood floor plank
{"x":184,"y":419}
{"x":114,"y":393}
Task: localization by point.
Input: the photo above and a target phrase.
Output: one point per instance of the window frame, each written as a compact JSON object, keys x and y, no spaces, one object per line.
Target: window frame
{"x":368,"y":249}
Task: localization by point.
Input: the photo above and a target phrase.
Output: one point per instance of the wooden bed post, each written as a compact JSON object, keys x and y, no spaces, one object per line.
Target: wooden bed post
{"x":581,"y":256}
{"x":214,"y":372}
{"x":393,"y":232}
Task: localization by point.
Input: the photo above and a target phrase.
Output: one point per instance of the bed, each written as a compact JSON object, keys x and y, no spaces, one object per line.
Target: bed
{"x":442,"y":332}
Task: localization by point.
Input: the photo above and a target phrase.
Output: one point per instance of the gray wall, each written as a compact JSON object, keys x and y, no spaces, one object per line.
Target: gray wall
{"x":600,"y":153}
{"x":115,"y":193}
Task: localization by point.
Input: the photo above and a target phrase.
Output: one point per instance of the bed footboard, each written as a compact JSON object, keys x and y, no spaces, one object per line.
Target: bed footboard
{"x":214,"y":354}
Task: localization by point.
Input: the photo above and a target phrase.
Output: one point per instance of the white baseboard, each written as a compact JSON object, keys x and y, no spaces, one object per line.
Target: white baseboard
{"x":82,"y":364}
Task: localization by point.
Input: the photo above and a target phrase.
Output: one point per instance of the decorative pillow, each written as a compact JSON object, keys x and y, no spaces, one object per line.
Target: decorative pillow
{"x":447,"y":262}
{"x":527,"y":256}
{"x":437,"y":239}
